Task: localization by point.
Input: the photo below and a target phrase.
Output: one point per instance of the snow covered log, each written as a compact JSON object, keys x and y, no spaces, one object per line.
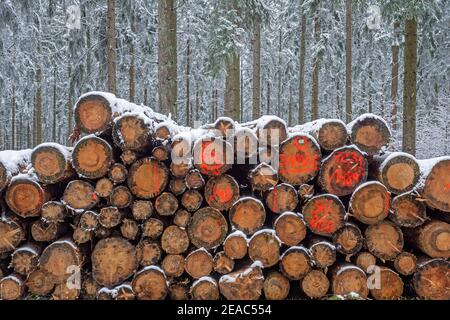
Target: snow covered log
{"x":11,"y":164}
{"x":52,"y":162}
{"x":244,"y":284}
{"x":434,"y":186}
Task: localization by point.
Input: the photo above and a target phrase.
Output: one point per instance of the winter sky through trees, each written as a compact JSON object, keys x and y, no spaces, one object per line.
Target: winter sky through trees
{"x":198,"y":59}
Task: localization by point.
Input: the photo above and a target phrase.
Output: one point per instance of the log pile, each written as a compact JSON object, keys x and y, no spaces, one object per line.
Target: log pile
{"x":143,"y":208}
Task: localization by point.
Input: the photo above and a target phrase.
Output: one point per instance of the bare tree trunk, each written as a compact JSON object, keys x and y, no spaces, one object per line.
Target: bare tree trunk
{"x":348,"y":60}
{"x":256,"y":92}
{"x":315,"y":75}
{"x":409,"y":87}
{"x":197,"y":102}
{"x":290,"y":106}
{"x":132,"y":70}
{"x":13,"y":120}
{"x":38,"y":108}
{"x":233,"y":88}
{"x":301,"y":90}
{"x":167,"y":57}
{"x":54,"y":106}
{"x":187,"y":79}
{"x":268,"y":98}
{"x":394,"y":75}
{"x":70,"y":101}
{"x":111,"y":45}
{"x":279,"y":111}
{"x":338,"y":101}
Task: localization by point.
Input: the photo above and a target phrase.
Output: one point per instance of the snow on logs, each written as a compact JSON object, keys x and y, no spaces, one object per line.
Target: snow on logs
{"x":148,"y":209}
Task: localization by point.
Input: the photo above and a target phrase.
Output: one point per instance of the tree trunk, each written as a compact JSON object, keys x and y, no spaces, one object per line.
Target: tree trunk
{"x":132,"y":70}
{"x":55,"y":115}
{"x":301,"y":89}
{"x":315,"y":73}
{"x":279,"y":111}
{"x":394,"y":75}
{"x":409,"y":87}
{"x":256,"y":91}
{"x":38,"y":108}
{"x":111,"y":45}
{"x":13,"y":118}
{"x":348,"y":60}
{"x":187,"y":79}
{"x":233,"y":88}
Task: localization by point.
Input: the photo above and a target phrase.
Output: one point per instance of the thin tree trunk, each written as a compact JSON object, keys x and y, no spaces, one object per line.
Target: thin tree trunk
{"x":290,"y":106}
{"x":348,"y":60}
{"x":167,"y":57}
{"x":70,"y":101}
{"x":111,"y":45}
{"x":279,"y":75}
{"x":38,"y":108}
{"x":187,"y":79}
{"x":132,"y":70}
{"x":54,"y":106}
{"x":315,"y":75}
{"x":301,"y":90}
{"x":13,"y":120}
{"x":409,"y":87}
{"x":268,"y":98}
{"x":394,"y":75}
{"x":233,"y":88}
{"x":197,"y":102}
{"x":256,"y":92}
{"x":241,"y":100}
{"x":338,"y":101}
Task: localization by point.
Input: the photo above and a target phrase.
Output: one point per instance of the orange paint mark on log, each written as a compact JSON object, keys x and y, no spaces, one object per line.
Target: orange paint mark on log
{"x":300,"y":162}
{"x":320,"y":217}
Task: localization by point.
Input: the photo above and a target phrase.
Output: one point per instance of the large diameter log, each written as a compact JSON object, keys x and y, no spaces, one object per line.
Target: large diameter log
{"x":324,"y":214}
{"x":12,"y":234}
{"x":132,"y":131}
{"x":436,"y":185}
{"x":25,"y":196}
{"x":295,"y":263}
{"x":432,"y":238}
{"x":369,"y":133}
{"x":276,"y":286}
{"x":398,"y":171}
{"x":93,"y":112}
{"x":174,"y":240}
{"x":263,"y":177}
{"x":205,"y":288}
{"x":290,"y":228}
{"x":92,"y":157}
{"x":25,"y":259}
{"x":370,"y":202}
{"x":389,"y":286}
{"x":150,"y":284}
{"x":213,"y":156}
{"x":343,"y":170}
{"x":12,"y":163}
{"x":282,"y":198}
{"x":271,"y":130}
{"x":431,"y":280}
{"x":384,"y":240}
{"x":407,"y":211}
{"x":348,"y":240}
{"x":147,"y":178}
{"x":80,"y":195}
{"x":235,"y":245}
{"x":221,"y":192}
{"x":51,"y":162}
{"x":299,"y":159}
{"x":348,"y":278}
{"x":244,"y":284}
{"x":199,"y":263}
{"x":264,"y":246}
{"x":315,"y":284}
{"x":113,"y":261}
{"x":207,"y":228}
{"x":12,"y":287}
{"x":247,"y":215}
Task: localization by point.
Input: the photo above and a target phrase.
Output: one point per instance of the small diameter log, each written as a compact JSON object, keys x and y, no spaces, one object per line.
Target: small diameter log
{"x":295,"y":263}
{"x":324,"y":214}
{"x":384,"y":240}
{"x":104,"y":187}
{"x":150,"y":284}
{"x":39,"y":283}
{"x":64,"y":292}
{"x":92,"y":157}
{"x":124,"y":292}
{"x":51,"y":162}
{"x":315,"y":284}
{"x":25,"y":259}
{"x":342,"y":171}
{"x":89,"y":287}
{"x":12,"y":163}
{"x":212,"y":156}
{"x":174,"y":240}
{"x":194,"y":180}
{"x":207,"y":228}
{"x":235,"y":245}
{"x":166,"y":204}
{"x":53,"y":211}
{"x":398,"y":171}
{"x":221,"y":192}
{"x":11,"y":234}
{"x":164,"y":131}
{"x":128,"y":157}
{"x":370,"y":202}
{"x":348,"y":278}
{"x":225,"y":127}
{"x":281,"y":198}
{"x":181,"y":167}
{"x":25,"y":196}
{"x":118,"y":173}
{"x":43,"y":231}
{"x":263,"y":177}
{"x":271,"y":130}
{"x":264,"y":246}
{"x":179,"y":292}
{"x":177,"y":186}
{"x":205,"y":288}
{"x":173,"y":265}
{"x":59,"y":260}
{"x":88,"y":221}
{"x":81,"y":236}
{"x":436,"y":185}
{"x":405,"y":263}
{"x":245,"y":146}
{"x":141,"y":209}
{"x":182,"y":218}
{"x":129,"y":229}
{"x":323,"y":253}
{"x":199,"y":263}
{"x":431,"y":280}
{"x":276,"y":286}
{"x":93,"y":112}
{"x":407,"y":211}
{"x":147,"y":178}
{"x":299,"y":159}
{"x":369,"y":133}
{"x":148,"y":252}
{"x":432,"y":238}
{"x":121,"y":197}
{"x":244,"y":284}
{"x":110,"y":217}
{"x":305,"y":192}
{"x":113,"y":261}
{"x":192,"y":200}
{"x":12,"y":287}
{"x":152,"y":228}
{"x":161,"y":152}
{"x":348,"y":240}
{"x":365,"y":260}
{"x":80,"y":195}
{"x":247,"y":215}
{"x":290,"y":228}
{"x":389,"y":286}
{"x":222,"y":263}
{"x":132,"y":131}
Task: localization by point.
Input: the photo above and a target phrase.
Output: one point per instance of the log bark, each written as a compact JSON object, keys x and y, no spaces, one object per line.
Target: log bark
{"x":199,"y":263}
{"x":290,"y":228}
{"x":384,"y":240}
{"x":51,"y":162}
{"x":264,"y":246}
{"x":247,"y":215}
{"x":276,"y":286}
{"x":221,"y":192}
{"x":282,"y":198}
{"x":92,"y":157}
{"x":431,"y":280}
{"x":207,"y":228}
{"x":147,"y":178}
{"x":370,"y":203}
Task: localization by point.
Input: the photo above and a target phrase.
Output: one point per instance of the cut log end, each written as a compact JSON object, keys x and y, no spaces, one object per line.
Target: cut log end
{"x":207,"y":228}
{"x":276,"y":286}
{"x":290,"y":228}
{"x":431,"y":280}
{"x":222,"y":263}
{"x":347,"y":279}
{"x":80,"y":194}
{"x":177,"y":186}
{"x":199,"y":264}
{"x":118,"y":173}
{"x":370,"y":203}
{"x":295,"y":263}
{"x":192,"y":200}
{"x":243,"y":284}
{"x":213,"y":156}
{"x":25,"y":197}
{"x":407,"y":211}
{"x":147,"y":178}
{"x":399,"y":173}
{"x":263,"y":177}
{"x":204,"y":289}
{"x":129,"y":229}
{"x":131,"y":132}
{"x":173,"y":265}
{"x":370,"y":134}
{"x":91,"y":157}
{"x":166,"y":204}
{"x":235,"y":246}
{"x":221,"y":192}
{"x":332,"y":135}
{"x":365,"y":260}
{"x":436,"y":190}
{"x":174,"y":240}
{"x":141,"y":209}
{"x":39,"y":283}
{"x":53,"y":211}
{"x":11,"y":288}
{"x":323,"y":253}
{"x":282,"y":198}
{"x":104,"y":187}
{"x":110,"y":217}
{"x":384,"y":240}
{"x":182,"y":218}
{"x":264,"y":246}
{"x":51,"y":163}
{"x":315,"y":284}
{"x":194,"y":180}
{"x":121,"y":197}
{"x":405,"y":263}
{"x":348,"y":239}
{"x":150,"y":284}
{"x":432,"y":238}
{"x":247,"y":215}
{"x":92,"y":114}
{"x":390,"y":286}
{"x":148,"y":252}
{"x":152,"y":228}
{"x":11,"y":235}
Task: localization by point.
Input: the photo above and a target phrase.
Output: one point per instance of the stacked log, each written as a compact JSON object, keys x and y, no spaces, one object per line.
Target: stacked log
{"x":143,"y":208}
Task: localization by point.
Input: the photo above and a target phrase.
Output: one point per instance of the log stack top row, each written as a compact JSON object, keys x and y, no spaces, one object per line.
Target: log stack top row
{"x":141,"y":207}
